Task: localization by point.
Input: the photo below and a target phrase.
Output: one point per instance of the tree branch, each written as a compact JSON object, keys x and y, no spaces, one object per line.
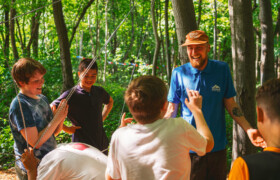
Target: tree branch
{"x":78,"y":22}
{"x":36,"y":26}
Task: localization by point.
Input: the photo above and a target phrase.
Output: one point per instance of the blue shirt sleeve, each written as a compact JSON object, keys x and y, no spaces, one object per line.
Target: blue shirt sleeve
{"x":174,"y":93}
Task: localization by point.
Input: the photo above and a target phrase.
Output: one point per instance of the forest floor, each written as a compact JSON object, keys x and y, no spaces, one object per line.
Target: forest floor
{"x":9,"y":174}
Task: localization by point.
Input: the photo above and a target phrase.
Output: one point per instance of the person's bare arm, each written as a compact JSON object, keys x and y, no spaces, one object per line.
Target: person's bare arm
{"x":237,"y":115}
{"x":61,"y":125}
{"x":70,"y":129}
{"x":171,"y":110}
{"x":33,"y":135}
{"x":30,"y":163}
{"x":195,"y":104}
{"x":107,"y":108}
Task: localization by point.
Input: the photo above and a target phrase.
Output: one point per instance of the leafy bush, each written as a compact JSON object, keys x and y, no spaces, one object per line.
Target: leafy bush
{"x":6,"y":145}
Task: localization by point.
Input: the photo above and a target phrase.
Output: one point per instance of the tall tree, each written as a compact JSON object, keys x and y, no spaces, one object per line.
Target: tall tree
{"x":156,"y":52}
{"x":267,"y":40}
{"x":167,"y":42}
{"x":64,"y":45}
{"x":106,"y":38}
{"x":97,"y":43}
{"x":199,"y":13}
{"x":12,"y":30}
{"x":6,"y":38}
{"x":184,"y":15}
{"x":215,"y":31}
{"x":64,"y":42}
{"x":243,"y":55}
{"x":132,"y":36}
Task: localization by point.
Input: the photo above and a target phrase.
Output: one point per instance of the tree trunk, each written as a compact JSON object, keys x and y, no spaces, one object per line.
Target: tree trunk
{"x":35,"y":25}
{"x":114,"y":41}
{"x":6,"y":39}
{"x":167,"y":43}
{"x":65,"y":58}
{"x":132,"y":36}
{"x":185,"y":22}
{"x":34,"y":32}
{"x":215,"y":31}
{"x":258,"y":57}
{"x":97,"y":43}
{"x":12,"y":30}
{"x":199,"y":13}
{"x":106,"y":38}
{"x":156,"y":52}
{"x":81,"y":43}
{"x":267,"y":46}
{"x":243,"y":55}
{"x":91,"y":36}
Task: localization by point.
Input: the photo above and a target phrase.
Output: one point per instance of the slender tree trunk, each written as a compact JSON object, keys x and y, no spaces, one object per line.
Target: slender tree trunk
{"x":215,"y":31}
{"x":132,"y":36}
{"x":35,"y":25}
{"x":65,"y":58}
{"x":199,"y":13}
{"x":106,"y":37}
{"x":12,"y":30}
{"x":277,"y":33}
{"x":258,"y":57}
{"x":79,"y":20}
{"x":97,"y":43}
{"x":267,"y":39}
{"x":184,"y":15}
{"x":167,"y":43}
{"x":278,"y":59}
{"x":20,"y":37}
{"x":6,"y":39}
{"x":243,"y":55}
{"x":34,"y":33}
{"x":114,"y":41}
{"x":35,"y":22}
{"x":81,"y":43}
{"x":91,"y":36}
{"x":156,"y":52}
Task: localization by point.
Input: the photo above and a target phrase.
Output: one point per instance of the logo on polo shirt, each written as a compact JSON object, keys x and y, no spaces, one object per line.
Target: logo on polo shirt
{"x":216,"y":88}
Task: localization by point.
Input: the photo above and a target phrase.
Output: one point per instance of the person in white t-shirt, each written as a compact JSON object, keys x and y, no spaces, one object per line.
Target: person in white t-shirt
{"x":73,"y":161}
{"x":156,"y":148}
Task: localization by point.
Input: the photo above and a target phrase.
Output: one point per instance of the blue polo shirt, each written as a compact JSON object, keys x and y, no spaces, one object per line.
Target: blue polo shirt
{"x":214,"y":83}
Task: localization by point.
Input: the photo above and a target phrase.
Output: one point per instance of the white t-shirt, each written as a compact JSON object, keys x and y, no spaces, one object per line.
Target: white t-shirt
{"x":159,"y":150}
{"x":76,"y":161}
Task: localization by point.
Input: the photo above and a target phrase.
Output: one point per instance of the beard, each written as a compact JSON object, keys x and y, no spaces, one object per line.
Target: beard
{"x":199,"y":64}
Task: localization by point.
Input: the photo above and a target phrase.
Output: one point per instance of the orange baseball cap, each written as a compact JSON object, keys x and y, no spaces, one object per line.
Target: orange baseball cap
{"x":196,"y":37}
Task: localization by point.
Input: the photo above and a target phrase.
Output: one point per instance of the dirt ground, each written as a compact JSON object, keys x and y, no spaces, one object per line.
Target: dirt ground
{"x":9,"y":174}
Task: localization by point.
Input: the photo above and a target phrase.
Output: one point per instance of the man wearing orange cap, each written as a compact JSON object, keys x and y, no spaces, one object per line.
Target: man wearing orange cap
{"x":213,"y":80}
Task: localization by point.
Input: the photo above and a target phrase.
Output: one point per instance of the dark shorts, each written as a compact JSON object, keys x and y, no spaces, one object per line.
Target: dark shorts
{"x":212,"y":166}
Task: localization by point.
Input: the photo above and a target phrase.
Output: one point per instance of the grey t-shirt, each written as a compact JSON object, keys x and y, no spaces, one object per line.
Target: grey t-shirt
{"x":37,"y":113}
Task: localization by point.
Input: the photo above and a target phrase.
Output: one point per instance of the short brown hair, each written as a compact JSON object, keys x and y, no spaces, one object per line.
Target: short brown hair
{"x":85,"y":63}
{"x":268,"y":98}
{"x":145,"y":96}
{"x":25,"y":68}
